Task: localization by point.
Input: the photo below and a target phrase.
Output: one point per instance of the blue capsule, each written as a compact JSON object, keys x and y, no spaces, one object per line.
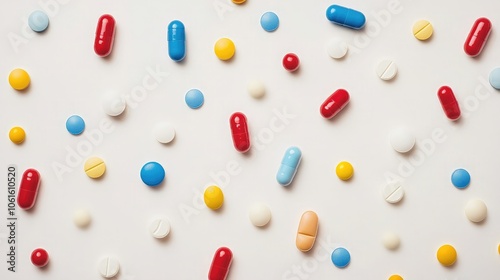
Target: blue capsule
{"x":289,"y":166}
{"x":345,"y":17}
{"x":176,"y":38}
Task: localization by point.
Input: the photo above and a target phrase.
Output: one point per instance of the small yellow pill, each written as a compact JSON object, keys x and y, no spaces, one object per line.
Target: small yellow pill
{"x":395,"y":277}
{"x":344,"y":170}
{"x":213,"y":197}
{"x":499,"y":248}
{"x":17,"y":135}
{"x":94,"y":167}
{"x":447,"y":255}
{"x":239,"y":1}
{"x":19,"y":79}
{"x":422,"y":30}
{"x":224,"y":49}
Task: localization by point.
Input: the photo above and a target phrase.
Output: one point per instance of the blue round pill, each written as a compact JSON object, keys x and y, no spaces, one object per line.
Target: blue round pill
{"x":495,"y":78}
{"x":341,"y":257}
{"x":194,"y":98}
{"x":269,"y":21}
{"x":152,"y":174}
{"x":460,"y":178}
{"x":38,"y":21}
{"x":75,"y":125}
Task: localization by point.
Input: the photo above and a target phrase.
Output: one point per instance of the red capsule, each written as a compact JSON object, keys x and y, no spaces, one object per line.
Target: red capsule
{"x":28,"y":190}
{"x":449,"y":102}
{"x":104,"y":35}
{"x":239,"y":131}
{"x":220,"y":264}
{"x":334,"y":103}
{"x":477,"y":37}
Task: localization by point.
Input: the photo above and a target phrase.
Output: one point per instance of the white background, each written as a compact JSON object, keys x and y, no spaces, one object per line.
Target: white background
{"x":68,"y":78}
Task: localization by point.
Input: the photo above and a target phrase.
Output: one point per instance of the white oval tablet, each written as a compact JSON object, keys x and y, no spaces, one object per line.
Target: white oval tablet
{"x":109,"y":267}
{"x":164,"y":132}
{"x":393,"y":192}
{"x":386,"y":70}
{"x":402,"y":140}
{"x":391,"y":240}
{"x":159,"y":228}
{"x":259,"y":214}
{"x":476,"y":210}
{"x":336,"y":48}
{"x":113,"y":104}
{"x":82,"y":218}
{"x":256,"y":89}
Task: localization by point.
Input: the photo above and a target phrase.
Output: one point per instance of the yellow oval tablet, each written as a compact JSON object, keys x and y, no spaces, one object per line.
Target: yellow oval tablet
{"x":447,"y":255}
{"x":94,"y":167}
{"x":19,"y":79}
{"x":213,"y":197}
{"x":224,"y":49}
{"x":344,"y":170}
{"x":307,"y":231}
{"x":17,"y":135}
{"x":422,"y":30}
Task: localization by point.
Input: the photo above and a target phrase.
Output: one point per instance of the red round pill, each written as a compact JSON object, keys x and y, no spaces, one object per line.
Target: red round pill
{"x":291,"y":62}
{"x":39,"y":257}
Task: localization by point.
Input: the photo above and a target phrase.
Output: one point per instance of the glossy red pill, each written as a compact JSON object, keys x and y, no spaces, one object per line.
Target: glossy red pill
{"x":478,"y":36}
{"x":334,"y":103}
{"x":104,"y":35}
{"x":39,"y":257}
{"x":449,"y":102}
{"x":220,"y":264}
{"x":239,"y":131}
{"x":291,"y":62}
{"x":28,"y":190}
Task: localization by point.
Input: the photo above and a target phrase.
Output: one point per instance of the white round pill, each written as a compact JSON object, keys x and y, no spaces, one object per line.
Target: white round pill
{"x":336,"y":48}
{"x":476,"y":210}
{"x":113,"y":104}
{"x":256,"y":89}
{"x":402,"y":140}
{"x":386,"y":70}
{"x":109,"y":267}
{"x":391,"y":240}
{"x":164,"y":132}
{"x":159,"y":228}
{"x":393,"y":192}
{"x":82,"y":218}
{"x":259,"y":214}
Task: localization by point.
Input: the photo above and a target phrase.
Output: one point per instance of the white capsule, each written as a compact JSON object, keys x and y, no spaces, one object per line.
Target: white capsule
{"x":159,"y":228}
{"x":109,"y":267}
{"x":402,"y":140}
{"x":386,"y":70}
{"x":259,"y":214}
{"x":164,"y":132}
{"x":393,"y":192}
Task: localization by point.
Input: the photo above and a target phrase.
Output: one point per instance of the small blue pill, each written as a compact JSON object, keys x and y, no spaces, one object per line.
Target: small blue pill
{"x":152,"y":174}
{"x":269,"y":21}
{"x":345,"y":17}
{"x":495,"y":78}
{"x":38,"y":21}
{"x":75,"y":125}
{"x":194,"y":98}
{"x":460,"y":178}
{"x":176,"y":38}
{"x":341,"y":257}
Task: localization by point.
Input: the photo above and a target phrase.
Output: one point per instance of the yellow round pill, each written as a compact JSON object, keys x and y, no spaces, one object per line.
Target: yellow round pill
{"x":19,"y":79}
{"x":224,"y":49}
{"x":344,"y":170}
{"x":395,"y":277}
{"x":94,"y":167}
{"x":239,"y":1}
{"x":213,"y":197}
{"x":422,"y":30}
{"x":499,"y":248}
{"x":17,"y":135}
{"x":447,"y":255}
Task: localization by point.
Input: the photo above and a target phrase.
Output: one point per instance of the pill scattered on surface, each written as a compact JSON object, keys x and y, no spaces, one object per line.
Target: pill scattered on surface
{"x":341,"y":257}
{"x":337,"y":48}
{"x":307,"y":231}
{"x":176,"y":38}
{"x":386,"y":69}
{"x":289,"y":166}
{"x":495,"y":78}
{"x":152,"y":174}
{"x":224,"y":49}
{"x":422,"y":30}
{"x":391,"y":240}
{"x":395,"y":277}
{"x":75,"y":125}
{"x":194,"y":98}
{"x":109,"y":267}
{"x":39,"y":257}
{"x":239,"y":132}
{"x":291,"y":62}
{"x":239,"y":1}
{"x":256,"y":89}
{"x":94,"y":167}
{"x":19,"y":79}
{"x":28,"y":189}
{"x":447,"y":255}
{"x":334,"y":103}
{"x":221,"y":263}
{"x":402,"y":140}
{"x":259,"y":214}
{"x":393,"y":192}
{"x":460,"y":178}
{"x":345,"y":17}
{"x":478,"y":35}
{"x":164,"y":132}
{"x":17,"y":135}
{"x":476,"y":210}
{"x":213,"y":197}
{"x":113,"y":104}
{"x":269,"y":21}
{"x":38,"y":21}
{"x":82,"y":218}
{"x":449,"y":103}
{"x":104,"y":35}
{"x":344,"y":170}
{"x":159,"y":228}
